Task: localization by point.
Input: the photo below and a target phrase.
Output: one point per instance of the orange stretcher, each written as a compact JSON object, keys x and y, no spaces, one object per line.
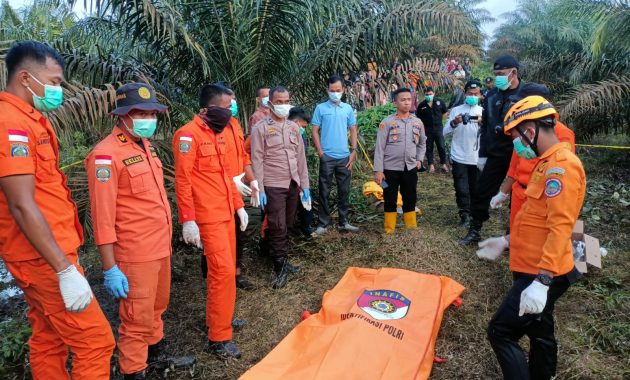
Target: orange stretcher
{"x":375,"y":324}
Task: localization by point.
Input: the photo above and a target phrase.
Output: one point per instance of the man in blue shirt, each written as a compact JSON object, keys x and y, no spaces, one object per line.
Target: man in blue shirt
{"x":331,"y":122}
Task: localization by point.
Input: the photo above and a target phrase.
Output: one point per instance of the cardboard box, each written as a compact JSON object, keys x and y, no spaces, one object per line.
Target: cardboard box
{"x":592,"y":255}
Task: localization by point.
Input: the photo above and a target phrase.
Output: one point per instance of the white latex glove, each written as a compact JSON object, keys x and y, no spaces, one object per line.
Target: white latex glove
{"x":240,"y":186}
{"x":497,"y":200}
{"x":242,"y":215}
{"x":190,"y":233}
{"x":481,"y":163}
{"x":533,"y":299}
{"x":255,"y":197}
{"x":75,"y":290}
{"x":492,"y":248}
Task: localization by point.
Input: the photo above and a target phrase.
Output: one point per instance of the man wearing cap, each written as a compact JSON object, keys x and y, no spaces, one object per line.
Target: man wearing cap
{"x":489,"y":84}
{"x":207,"y":201}
{"x":40,"y":231}
{"x":132,"y":225}
{"x":541,"y":254}
{"x":495,"y":148}
{"x":463,"y":123}
{"x":279,"y":165}
{"x":430,"y":112}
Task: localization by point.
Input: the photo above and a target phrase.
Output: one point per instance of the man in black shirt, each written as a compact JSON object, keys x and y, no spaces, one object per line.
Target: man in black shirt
{"x":431,"y":111}
{"x":495,"y":149}
{"x":489,"y":87}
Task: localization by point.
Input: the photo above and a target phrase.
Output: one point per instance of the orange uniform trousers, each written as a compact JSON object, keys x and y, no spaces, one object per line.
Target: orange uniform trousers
{"x":219,"y":247}
{"x":141,"y":313}
{"x":87,"y":334}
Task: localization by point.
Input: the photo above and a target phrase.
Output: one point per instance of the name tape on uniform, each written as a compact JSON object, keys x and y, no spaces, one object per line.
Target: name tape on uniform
{"x":133,"y":160}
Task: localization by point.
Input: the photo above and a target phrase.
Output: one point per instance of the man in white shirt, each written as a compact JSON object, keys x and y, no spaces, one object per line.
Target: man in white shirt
{"x":463,"y":123}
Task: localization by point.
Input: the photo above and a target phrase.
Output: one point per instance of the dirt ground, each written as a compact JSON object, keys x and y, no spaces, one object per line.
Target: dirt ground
{"x":593,"y":319}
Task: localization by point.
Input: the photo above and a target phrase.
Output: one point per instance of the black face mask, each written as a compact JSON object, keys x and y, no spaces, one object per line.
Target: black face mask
{"x":216,"y":118}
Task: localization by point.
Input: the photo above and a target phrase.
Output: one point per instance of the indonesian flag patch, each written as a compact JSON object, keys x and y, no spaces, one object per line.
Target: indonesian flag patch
{"x":184,"y":143}
{"x":16,"y":135}
{"x":103,"y":160}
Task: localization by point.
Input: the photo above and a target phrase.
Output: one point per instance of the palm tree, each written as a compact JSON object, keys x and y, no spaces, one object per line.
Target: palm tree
{"x":580,"y":48}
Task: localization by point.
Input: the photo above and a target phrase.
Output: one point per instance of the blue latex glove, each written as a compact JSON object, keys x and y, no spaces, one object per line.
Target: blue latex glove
{"x":306,"y":195}
{"x":263,"y":200}
{"x":116,"y":282}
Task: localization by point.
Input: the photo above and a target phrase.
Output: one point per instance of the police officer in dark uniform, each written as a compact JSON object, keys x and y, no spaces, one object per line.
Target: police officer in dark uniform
{"x":430,"y":112}
{"x":495,"y":148}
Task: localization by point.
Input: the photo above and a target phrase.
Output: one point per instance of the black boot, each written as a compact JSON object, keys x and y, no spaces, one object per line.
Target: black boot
{"x":135,"y":376}
{"x":282,"y":269}
{"x":474,"y":234}
{"x":160,"y":359}
{"x":464,"y":220}
{"x":243,"y":283}
{"x":224,"y":350}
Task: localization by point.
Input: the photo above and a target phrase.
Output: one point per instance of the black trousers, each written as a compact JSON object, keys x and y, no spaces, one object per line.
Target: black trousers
{"x":465,"y":181}
{"x":329,"y":167}
{"x":305,"y":217}
{"x":436,"y":136}
{"x":506,"y":328}
{"x":488,"y":185}
{"x":406,"y":181}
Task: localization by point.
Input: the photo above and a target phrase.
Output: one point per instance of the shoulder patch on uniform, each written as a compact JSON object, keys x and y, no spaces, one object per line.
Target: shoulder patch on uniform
{"x":133,"y":160}
{"x":17,"y":135}
{"x":555,"y":171}
{"x":103,"y":173}
{"x":122,"y":138}
{"x":102,"y":159}
{"x":382,"y":125}
{"x":553,"y":187}
{"x":184,"y":143}
{"x":152,"y":149}
{"x":19,"y":150}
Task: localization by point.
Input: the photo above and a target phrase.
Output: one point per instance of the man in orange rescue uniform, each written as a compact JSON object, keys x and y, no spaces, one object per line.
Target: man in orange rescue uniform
{"x":541,"y":255}
{"x":132,"y":226}
{"x":39,"y":228}
{"x":518,"y":176}
{"x":206,"y":200}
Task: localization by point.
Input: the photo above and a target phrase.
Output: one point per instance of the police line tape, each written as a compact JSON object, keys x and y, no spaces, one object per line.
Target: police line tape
{"x":71,"y":165}
{"x":603,"y":146}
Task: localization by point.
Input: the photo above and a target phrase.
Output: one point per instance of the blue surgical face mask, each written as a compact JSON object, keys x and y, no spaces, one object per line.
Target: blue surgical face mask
{"x":428,"y":98}
{"x":234,"y":107}
{"x":143,"y":128}
{"x":335,"y":97}
{"x":523,"y":151}
{"x":472,"y":100}
{"x":265,"y":101}
{"x":52,"y":99}
{"x":502,"y":82}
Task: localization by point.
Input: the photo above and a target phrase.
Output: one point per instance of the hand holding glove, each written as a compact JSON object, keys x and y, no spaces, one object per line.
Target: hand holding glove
{"x":255,"y":197}
{"x":498,"y":200}
{"x":481,"y":163}
{"x":305,"y":197}
{"x":244,"y":218}
{"x":240,"y":186}
{"x":190,"y":233}
{"x":263,"y":200}
{"x":533,"y":299}
{"x":75,"y":290}
{"x":116,"y":282}
{"x":492,"y":248}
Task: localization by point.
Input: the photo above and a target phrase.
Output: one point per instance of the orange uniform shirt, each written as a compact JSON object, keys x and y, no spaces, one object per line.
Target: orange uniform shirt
{"x":541,"y":235}
{"x":28,"y":145}
{"x":129,"y":204}
{"x":236,"y":156}
{"x":205,"y":192}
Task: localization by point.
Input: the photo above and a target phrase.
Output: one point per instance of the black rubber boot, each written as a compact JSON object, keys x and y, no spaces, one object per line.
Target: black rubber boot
{"x":224,"y":350}
{"x":135,"y":376}
{"x":243,"y":283}
{"x":464,"y":220}
{"x":160,"y":359}
{"x":281,"y":269}
{"x":474,"y":234}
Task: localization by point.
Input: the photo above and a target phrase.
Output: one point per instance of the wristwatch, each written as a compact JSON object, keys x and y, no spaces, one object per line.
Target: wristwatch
{"x":544,"y":279}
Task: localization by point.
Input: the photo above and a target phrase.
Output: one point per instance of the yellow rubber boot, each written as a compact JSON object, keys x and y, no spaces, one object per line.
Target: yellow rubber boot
{"x":410,"y":219}
{"x":390,"y":222}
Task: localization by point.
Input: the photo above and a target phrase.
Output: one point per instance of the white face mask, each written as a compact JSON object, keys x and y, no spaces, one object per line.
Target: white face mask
{"x":335,"y":96}
{"x":282,"y":110}
{"x":265,"y":101}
